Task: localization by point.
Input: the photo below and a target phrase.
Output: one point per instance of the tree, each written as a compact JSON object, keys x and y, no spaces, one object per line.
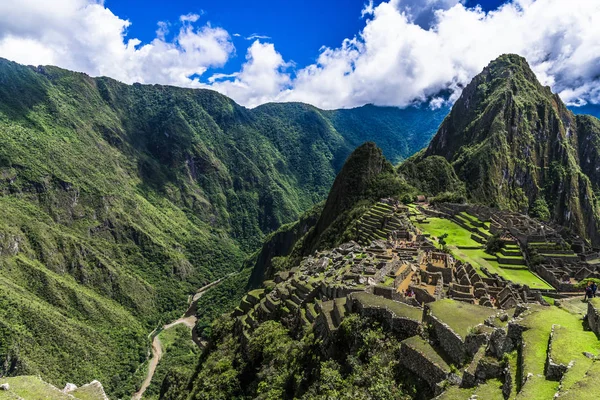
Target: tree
{"x":494,"y":244}
{"x":540,"y":210}
{"x":442,"y":239}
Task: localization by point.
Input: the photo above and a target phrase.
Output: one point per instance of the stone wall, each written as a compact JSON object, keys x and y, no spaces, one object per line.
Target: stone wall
{"x":401,"y":326}
{"x":593,"y":315}
{"x":553,"y":371}
{"x":449,"y":341}
{"x":419,"y":364}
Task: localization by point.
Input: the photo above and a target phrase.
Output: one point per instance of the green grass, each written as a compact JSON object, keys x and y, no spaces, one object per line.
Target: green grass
{"x":423,"y":347}
{"x":515,"y":274}
{"x":470,"y":217}
{"x":570,"y":347}
{"x":389,"y":281}
{"x":490,"y":390}
{"x":460,"y":316}
{"x":400,"y":309}
{"x":31,"y":388}
{"x":586,"y":386}
{"x":457,"y":235}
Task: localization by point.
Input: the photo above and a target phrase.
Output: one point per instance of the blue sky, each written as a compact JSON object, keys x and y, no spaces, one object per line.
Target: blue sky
{"x":332,"y":54}
{"x":298,"y":28}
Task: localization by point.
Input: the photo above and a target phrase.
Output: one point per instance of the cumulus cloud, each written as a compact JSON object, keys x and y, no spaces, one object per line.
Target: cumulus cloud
{"x":395,"y":61}
{"x":408,"y":50}
{"x":422,"y":12}
{"x":263,"y":78}
{"x":84,"y":35}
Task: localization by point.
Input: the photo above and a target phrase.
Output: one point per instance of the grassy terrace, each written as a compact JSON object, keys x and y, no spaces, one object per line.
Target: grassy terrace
{"x":490,"y":390}
{"x":33,"y":388}
{"x":586,"y":386}
{"x":400,"y":309}
{"x":457,"y":235}
{"x":459,"y":316}
{"x":423,"y":347}
{"x":572,"y":341}
{"x":460,"y":237}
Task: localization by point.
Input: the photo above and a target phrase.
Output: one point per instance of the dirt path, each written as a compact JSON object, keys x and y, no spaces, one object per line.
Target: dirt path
{"x":189,"y":320}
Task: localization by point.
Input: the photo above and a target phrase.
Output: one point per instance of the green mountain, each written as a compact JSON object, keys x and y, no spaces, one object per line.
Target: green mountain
{"x":118,"y":201}
{"x":517,"y":147}
{"x":303,"y":332}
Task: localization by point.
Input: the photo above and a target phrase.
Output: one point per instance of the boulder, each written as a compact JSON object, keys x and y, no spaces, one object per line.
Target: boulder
{"x":69,"y":387}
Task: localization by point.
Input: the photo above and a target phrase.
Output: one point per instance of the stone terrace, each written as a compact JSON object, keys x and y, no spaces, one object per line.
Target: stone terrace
{"x":443,"y":310}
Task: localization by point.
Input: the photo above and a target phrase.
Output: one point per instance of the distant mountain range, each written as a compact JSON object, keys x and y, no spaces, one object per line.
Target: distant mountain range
{"x":508,"y":142}
{"x":118,"y":201}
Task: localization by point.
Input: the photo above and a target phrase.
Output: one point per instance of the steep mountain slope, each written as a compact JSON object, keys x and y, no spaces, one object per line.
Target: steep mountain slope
{"x":515,"y":144}
{"x":293,"y":364}
{"x":118,"y":201}
{"x":365,"y":178}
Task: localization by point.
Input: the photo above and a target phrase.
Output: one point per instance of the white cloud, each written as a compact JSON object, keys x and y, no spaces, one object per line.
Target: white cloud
{"x":83,"y":35}
{"x":255,"y":36}
{"x":394,"y":61}
{"x":422,"y":12}
{"x":408,"y":50}
{"x":189,"y":18}
{"x":263,"y":77}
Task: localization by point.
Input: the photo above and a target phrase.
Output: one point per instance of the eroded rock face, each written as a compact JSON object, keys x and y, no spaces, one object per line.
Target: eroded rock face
{"x":69,"y":387}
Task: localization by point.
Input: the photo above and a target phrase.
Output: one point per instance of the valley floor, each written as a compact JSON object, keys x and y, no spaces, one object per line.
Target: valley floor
{"x":189,"y":320}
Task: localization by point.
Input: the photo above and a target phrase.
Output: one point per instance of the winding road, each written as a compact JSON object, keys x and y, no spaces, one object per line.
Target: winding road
{"x":189,"y":320}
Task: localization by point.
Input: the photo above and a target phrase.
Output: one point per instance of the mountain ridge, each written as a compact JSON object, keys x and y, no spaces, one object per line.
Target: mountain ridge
{"x":118,"y":201}
{"x":514,"y":143}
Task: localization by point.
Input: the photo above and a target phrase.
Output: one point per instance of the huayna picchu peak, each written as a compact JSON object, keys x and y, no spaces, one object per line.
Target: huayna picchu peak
{"x":173,"y":244}
{"x":517,"y":147}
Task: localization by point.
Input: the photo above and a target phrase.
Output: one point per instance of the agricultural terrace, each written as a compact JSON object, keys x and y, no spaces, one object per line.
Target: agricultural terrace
{"x":464,"y":248}
{"x":571,"y":341}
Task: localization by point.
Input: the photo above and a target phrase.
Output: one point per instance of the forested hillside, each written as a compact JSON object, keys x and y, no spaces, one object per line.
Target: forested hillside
{"x":118,"y":201}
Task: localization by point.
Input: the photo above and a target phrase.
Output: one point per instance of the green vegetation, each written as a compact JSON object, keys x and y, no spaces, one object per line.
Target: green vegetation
{"x":219,"y":299}
{"x":459,"y":316}
{"x":400,"y":309}
{"x":490,"y":390}
{"x":423,"y":347}
{"x":513,"y":273}
{"x":117,"y":202}
{"x":277,"y":366}
{"x":525,"y":161}
{"x":33,"y":388}
{"x":433,"y":176}
{"x":458,"y":238}
{"x":457,"y":235}
{"x":571,"y":343}
{"x":540,"y":210}
{"x":180,"y":356}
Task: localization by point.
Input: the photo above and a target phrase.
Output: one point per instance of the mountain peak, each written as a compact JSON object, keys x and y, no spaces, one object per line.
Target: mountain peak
{"x":505,"y":137}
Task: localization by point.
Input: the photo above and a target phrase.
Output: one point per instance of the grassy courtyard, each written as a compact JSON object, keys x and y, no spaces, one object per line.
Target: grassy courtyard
{"x":461,"y":237}
{"x":457,"y":235}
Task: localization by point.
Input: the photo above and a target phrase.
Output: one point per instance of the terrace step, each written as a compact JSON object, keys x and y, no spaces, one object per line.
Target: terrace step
{"x":511,"y":253}
{"x":311,"y":313}
{"x":421,"y":358}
